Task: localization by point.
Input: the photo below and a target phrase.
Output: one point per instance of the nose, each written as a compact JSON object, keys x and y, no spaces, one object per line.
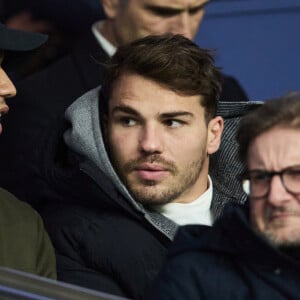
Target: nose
{"x":7,"y":88}
{"x":277,"y":192}
{"x":150,"y":140}
{"x":183,"y":25}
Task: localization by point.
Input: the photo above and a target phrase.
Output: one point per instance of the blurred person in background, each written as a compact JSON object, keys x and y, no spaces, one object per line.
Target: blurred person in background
{"x":63,"y":22}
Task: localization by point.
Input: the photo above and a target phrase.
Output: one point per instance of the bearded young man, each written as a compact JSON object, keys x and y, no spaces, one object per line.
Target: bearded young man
{"x":133,"y":165}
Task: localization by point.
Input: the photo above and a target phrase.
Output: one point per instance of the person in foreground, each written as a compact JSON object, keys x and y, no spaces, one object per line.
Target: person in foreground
{"x":25,"y":244}
{"x":251,"y":252}
{"x":133,"y":165}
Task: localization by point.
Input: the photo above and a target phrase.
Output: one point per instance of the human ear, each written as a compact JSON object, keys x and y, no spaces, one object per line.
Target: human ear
{"x":215,"y":129}
{"x":110,"y":8}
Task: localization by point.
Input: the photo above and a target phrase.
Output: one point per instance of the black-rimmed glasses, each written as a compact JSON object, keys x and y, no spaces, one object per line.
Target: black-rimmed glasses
{"x":256,"y":183}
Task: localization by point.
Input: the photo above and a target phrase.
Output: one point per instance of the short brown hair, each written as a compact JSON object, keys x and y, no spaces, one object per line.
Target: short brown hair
{"x":171,"y":60}
{"x":283,"y":111}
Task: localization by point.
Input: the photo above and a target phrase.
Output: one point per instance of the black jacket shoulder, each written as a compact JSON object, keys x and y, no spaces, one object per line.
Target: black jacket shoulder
{"x":104,"y":250}
{"x":232,"y":90}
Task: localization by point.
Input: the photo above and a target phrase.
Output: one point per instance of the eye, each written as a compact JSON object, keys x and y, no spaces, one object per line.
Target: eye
{"x":164,"y":11}
{"x":292,"y":175}
{"x":259,"y":177}
{"x":195,"y":10}
{"x":128,"y":122}
{"x":174,"y":123}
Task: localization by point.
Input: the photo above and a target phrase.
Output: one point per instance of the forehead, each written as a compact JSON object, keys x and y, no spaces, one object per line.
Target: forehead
{"x":276,"y":148}
{"x":179,"y":4}
{"x":147,"y":95}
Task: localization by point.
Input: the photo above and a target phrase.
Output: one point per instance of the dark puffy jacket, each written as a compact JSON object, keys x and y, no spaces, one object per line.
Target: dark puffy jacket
{"x":101,"y":240}
{"x":228,"y":261}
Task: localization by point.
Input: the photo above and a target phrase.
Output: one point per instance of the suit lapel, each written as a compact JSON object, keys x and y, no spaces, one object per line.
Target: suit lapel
{"x":88,"y":56}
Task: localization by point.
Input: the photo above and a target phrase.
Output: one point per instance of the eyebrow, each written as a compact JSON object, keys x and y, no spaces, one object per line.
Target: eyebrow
{"x":125,"y":109}
{"x":174,"y":10}
{"x":175,"y":114}
{"x":167,"y":115}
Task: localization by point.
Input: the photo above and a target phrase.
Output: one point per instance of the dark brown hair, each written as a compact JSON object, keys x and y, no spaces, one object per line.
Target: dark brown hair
{"x":283,"y":111}
{"x":170,"y":60}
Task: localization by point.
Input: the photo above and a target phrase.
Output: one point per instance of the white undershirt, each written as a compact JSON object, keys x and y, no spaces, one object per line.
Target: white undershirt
{"x":104,"y":43}
{"x":195,"y":212}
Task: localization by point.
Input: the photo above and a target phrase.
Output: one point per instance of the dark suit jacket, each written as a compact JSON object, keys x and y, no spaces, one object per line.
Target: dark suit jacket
{"x":45,"y":96}
{"x":41,"y":98}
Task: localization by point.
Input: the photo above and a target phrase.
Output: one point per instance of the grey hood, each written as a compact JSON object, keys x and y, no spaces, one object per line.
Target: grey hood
{"x":85,"y":138}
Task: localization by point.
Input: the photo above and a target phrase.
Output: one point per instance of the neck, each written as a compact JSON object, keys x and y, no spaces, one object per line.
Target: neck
{"x":107,"y":30}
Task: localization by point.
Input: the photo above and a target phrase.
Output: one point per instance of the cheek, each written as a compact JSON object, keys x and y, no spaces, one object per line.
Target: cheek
{"x":154,"y":25}
{"x":196,"y":22}
{"x":199,"y":17}
{"x":145,"y":30}
{"x":128,"y":27}
{"x":121,"y":144}
{"x":257,"y":213}
{"x":138,"y":24}
{"x":190,"y":148}
{"x":163,"y":27}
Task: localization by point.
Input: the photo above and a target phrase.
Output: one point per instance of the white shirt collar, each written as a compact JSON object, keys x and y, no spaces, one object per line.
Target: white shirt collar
{"x":195,"y":212}
{"x":104,"y":43}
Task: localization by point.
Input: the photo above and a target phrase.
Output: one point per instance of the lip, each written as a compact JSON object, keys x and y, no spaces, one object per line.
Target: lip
{"x":3,"y":110}
{"x":151,"y":172}
{"x":150,"y":167}
{"x":283,"y":215}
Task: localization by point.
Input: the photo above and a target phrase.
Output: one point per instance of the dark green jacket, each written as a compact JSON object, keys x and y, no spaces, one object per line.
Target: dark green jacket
{"x":24,"y":243}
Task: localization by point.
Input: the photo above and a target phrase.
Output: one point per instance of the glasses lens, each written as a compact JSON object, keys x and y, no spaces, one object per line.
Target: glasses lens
{"x":256,"y":183}
{"x":291,"y":179}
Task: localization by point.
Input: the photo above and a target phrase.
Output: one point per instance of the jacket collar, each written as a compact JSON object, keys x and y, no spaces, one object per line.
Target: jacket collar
{"x":87,"y":55}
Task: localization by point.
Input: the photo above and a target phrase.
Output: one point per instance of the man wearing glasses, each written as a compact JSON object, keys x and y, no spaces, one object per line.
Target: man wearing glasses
{"x":251,"y":253}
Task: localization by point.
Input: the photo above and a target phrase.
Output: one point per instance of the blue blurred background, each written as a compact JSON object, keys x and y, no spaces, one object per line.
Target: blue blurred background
{"x":257,"y":41}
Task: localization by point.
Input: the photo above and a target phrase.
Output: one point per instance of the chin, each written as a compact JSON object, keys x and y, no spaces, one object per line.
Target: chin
{"x":151,"y":195}
{"x":283,"y":237}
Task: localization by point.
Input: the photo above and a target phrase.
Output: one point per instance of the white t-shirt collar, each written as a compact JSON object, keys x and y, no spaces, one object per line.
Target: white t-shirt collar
{"x":195,"y":212}
{"x":104,"y":43}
